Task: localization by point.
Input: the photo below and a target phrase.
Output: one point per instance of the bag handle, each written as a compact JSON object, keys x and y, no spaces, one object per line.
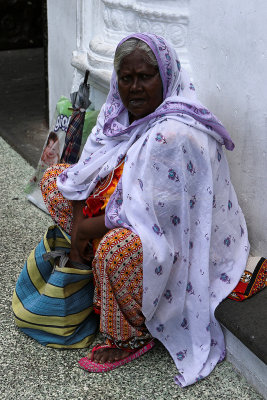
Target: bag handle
{"x":63,"y":259}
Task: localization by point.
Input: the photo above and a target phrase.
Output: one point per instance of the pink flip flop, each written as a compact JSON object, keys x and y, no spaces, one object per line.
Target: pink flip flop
{"x":92,"y":366}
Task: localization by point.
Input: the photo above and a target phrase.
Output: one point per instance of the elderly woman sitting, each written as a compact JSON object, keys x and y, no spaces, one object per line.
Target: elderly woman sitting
{"x":152,"y":194}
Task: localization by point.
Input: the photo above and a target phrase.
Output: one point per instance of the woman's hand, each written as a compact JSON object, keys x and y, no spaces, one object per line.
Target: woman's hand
{"x":89,"y":229}
{"x":83,"y":231}
{"x":84,"y":247}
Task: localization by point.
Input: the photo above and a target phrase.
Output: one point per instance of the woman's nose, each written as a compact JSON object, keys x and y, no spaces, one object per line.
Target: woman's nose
{"x":136,"y":85}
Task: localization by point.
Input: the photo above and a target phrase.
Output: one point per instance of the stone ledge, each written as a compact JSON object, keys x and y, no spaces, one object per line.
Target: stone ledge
{"x":247,"y":320}
{"x":247,"y":363}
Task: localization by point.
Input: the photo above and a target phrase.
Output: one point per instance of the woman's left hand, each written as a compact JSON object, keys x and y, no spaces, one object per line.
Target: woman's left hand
{"x":84,"y":246}
{"x":87,"y":230}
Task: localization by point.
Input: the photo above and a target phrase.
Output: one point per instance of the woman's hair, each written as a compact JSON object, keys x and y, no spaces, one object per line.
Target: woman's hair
{"x":128,"y":47}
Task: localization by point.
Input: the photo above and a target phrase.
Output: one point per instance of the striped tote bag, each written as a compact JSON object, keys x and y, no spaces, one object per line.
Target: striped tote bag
{"x":53,"y":304}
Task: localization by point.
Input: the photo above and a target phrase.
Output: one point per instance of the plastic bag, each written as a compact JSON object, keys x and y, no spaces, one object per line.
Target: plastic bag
{"x":54,"y":145}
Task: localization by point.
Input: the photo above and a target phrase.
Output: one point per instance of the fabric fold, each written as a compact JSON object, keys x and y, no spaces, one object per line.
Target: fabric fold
{"x":176,"y":195}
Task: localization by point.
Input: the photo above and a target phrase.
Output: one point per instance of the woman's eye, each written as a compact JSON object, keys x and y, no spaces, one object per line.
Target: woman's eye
{"x":125,"y":78}
{"x":145,"y":76}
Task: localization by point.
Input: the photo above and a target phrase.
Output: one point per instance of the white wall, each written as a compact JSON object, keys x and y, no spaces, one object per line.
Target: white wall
{"x":227,"y":46}
{"x":226,"y":43}
{"x":61,"y":42}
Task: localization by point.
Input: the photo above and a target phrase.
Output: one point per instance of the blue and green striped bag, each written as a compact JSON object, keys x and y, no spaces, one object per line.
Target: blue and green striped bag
{"x":53,"y":304}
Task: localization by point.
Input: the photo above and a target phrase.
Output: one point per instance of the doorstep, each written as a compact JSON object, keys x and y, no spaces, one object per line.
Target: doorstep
{"x":245,"y":329}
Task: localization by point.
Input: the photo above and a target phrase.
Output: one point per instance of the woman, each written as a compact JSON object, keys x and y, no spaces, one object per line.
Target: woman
{"x":176,"y":242}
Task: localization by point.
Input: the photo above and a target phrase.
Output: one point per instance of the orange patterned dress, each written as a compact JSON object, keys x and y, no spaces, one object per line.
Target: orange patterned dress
{"x":117,"y":265}
{"x":60,"y":208}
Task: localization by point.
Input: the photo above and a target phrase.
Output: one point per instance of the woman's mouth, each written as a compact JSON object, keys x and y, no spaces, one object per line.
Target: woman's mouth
{"x":136,"y":102}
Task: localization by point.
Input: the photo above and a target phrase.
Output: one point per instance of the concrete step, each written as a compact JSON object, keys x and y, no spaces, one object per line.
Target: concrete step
{"x":245,"y":329}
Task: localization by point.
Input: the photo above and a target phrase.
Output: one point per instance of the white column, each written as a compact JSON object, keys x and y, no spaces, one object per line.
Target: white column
{"x":227,"y":47}
{"x":61,"y":42}
{"x":111,"y":20}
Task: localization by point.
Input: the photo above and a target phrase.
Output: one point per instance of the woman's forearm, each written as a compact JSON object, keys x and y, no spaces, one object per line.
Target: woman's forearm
{"x":92,"y":228}
{"x":77,"y":218}
{"x":83,"y":230}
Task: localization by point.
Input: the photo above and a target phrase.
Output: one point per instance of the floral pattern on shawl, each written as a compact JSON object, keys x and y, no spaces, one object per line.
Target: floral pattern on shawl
{"x":174,"y":193}
{"x":113,"y":136}
{"x":194,"y":253}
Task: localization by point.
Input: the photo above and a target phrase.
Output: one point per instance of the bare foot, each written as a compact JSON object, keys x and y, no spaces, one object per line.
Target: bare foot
{"x":102,"y":356}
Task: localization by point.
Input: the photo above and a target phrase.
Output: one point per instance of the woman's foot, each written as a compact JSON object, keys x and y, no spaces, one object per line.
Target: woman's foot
{"x":103,"y":358}
{"x":109,"y":355}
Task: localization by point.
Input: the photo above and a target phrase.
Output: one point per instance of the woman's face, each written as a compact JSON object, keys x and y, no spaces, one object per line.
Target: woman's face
{"x":139,"y":85}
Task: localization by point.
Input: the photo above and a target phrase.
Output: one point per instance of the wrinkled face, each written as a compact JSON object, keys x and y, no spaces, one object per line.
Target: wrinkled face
{"x":139,"y":85}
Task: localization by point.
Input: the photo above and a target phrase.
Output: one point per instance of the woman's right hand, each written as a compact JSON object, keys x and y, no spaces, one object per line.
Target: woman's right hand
{"x":89,"y":229}
{"x":83,"y":231}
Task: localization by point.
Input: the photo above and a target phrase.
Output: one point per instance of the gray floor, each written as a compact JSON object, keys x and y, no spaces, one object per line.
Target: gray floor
{"x":30,"y":371}
{"x":22,"y":101}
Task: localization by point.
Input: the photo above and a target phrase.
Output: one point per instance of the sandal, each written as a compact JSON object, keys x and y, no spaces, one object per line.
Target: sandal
{"x":91,"y":366}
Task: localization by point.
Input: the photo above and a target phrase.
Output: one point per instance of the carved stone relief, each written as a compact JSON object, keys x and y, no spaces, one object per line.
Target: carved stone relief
{"x":118,"y":18}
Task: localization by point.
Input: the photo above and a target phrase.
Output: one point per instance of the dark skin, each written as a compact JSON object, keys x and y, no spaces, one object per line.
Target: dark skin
{"x":139,"y":85}
{"x":140,"y":89}
{"x":84,"y":230}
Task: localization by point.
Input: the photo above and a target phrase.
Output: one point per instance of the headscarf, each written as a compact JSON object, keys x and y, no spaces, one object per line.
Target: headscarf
{"x":113,"y":135}
{"x":176,"y":194}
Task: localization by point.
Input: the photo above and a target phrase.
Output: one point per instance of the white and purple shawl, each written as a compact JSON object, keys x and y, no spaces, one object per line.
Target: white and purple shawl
{"x":176,"y":194}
